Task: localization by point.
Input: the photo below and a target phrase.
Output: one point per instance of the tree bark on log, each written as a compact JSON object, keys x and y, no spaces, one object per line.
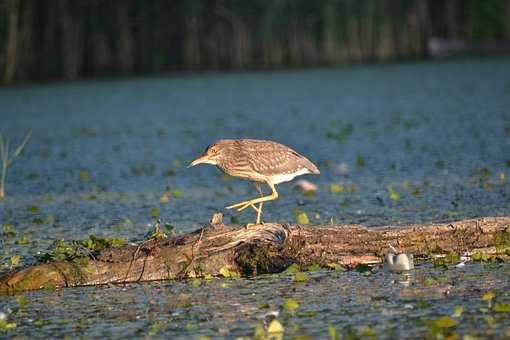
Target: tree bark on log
{"x":217,"y":249}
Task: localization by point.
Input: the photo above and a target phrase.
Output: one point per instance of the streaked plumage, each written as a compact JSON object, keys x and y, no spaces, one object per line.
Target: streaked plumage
{"x":258,"y":161}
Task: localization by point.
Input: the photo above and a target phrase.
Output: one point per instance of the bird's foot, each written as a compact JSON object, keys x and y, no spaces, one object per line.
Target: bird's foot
{"x":248,"y":225}
{"x":241,"y":206}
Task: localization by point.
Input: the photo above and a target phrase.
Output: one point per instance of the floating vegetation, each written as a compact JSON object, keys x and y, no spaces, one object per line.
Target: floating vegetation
{"x":457,"y":312}
{"x":488,"y":296}
{"x":442,"y":327}
{"x":336,"y":188}
{"x":176,"y":193}
{"x":300,"y":277}
{"x":155,"y":232}
{"x":154,"y":212}
{"x":275,"y":327}
{"x":290,"y":305}
{"x":393,"y":194}
{"x":340,"y":134}
{"x":333,"y":333}
{"x":79,"y":250}
{"x":147,"y":169}
{"x":84,"y":176}
{"x":501,"y":307}
{"x":292,"y":269}
{"x":229,"y":273}
{"x":33,"y":209}
{"x":360,"y":161}
{"x":335,"y":266}
{"x":6,"y":325}
{"x":301,"y":217}
{"x":15,"y":260}
{"x":8,"y":230}
{"x":165,"y":198}
{"x":444,"y":261}
{"x":439,"y":164}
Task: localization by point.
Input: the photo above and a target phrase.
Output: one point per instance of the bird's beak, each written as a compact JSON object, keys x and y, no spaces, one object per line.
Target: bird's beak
{"x":199,"y":160}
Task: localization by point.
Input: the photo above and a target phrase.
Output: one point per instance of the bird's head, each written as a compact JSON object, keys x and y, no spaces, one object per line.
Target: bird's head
{"x":211,"y":155}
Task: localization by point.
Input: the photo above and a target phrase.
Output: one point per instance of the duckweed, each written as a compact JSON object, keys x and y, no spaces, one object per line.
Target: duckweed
{"x":290,"y":305}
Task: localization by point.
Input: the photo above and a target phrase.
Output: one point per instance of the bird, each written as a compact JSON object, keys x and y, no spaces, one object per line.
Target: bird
{"x":259,"y":161}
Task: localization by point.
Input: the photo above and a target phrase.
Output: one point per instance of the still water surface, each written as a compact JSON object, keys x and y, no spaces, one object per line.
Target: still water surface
{"x":402,"y":143}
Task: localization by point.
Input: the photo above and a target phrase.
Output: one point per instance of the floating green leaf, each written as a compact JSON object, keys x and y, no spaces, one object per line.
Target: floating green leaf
{"x":334,"y":266}
{"x":489,"y":296}
{"x":15,"y":260}
{"x":229,"y":272}
{"x":292,"y":269}
{"x":8,"y":230}
{"x":394,"y":195}
{"x":84,"y":176}
{"x":360,"y":161}
{"x":259,"y":333}
{"x":457,"y":312}
{"x":290,"y":305}
{"x":33,"y":209}
{"x":300,"y":277}
{"x":6,"y":325}
{"x":336,"y":188}
{"x":332,"y":333}
{"x":445,"y":322}
{"x":275,"y":327}
{"x":154,"y":212}
{"x":301,"y":217}
{"x":314,"y":267}
{"x":501,"y":307}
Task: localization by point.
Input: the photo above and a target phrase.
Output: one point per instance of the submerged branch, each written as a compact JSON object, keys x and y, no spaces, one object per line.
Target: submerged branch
{"x":216,"y":249}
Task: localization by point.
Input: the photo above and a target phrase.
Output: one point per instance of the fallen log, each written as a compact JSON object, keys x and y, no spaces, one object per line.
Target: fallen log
{"x":217,"y":249}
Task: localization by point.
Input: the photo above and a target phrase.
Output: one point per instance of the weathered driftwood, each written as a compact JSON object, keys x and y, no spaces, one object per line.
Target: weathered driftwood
{"x":218,"y":249}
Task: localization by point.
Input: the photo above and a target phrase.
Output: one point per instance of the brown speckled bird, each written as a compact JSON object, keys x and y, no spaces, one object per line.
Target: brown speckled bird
{"x":257,"y":161}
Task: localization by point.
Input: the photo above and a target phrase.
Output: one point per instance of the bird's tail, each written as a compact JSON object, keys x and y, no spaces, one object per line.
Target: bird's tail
{"x":310,"y":166}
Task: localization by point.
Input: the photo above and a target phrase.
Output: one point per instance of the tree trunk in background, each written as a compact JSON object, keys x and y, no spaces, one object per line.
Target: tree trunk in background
{"x":507,"y":21}
{"x":192,"y":44}
{"x":11,"y":40}
{"x":124,"y":52}
{"x":70,"y":39}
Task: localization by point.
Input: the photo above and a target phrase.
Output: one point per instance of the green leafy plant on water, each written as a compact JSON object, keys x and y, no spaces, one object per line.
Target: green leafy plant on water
{"x":442,"y":327}
{"x":6,"y":325}
{"x":75,"y":250}
{"x":340,"y":134}
{"x":290,"y":305}
{"x":301,"y":217}
{"x":6,"y":159}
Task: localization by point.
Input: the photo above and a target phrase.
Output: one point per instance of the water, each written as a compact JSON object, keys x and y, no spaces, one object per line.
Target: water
{"x":422,"y":142}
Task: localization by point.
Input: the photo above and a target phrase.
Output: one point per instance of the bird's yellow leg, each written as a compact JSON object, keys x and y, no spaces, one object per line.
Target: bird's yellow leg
{"x":259,"y":210}
{"x":243,"y":205}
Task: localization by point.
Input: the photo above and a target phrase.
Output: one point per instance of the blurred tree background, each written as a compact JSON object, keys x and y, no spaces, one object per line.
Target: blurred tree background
{"x":69,"y":39}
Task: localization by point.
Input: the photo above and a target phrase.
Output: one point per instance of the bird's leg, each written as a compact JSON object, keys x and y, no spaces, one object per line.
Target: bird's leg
{"x":259,"y":211}
{"x":243,"y":205}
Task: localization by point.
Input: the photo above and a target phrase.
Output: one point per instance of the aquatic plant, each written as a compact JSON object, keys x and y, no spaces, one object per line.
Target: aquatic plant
{"x":7,"y":159}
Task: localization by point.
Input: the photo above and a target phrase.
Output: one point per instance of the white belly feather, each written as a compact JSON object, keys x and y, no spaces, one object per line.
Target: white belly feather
{"x":290,"y":176}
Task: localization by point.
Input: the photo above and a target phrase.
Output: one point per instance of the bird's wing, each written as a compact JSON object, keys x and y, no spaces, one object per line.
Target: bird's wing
{"x":268,"y":158}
